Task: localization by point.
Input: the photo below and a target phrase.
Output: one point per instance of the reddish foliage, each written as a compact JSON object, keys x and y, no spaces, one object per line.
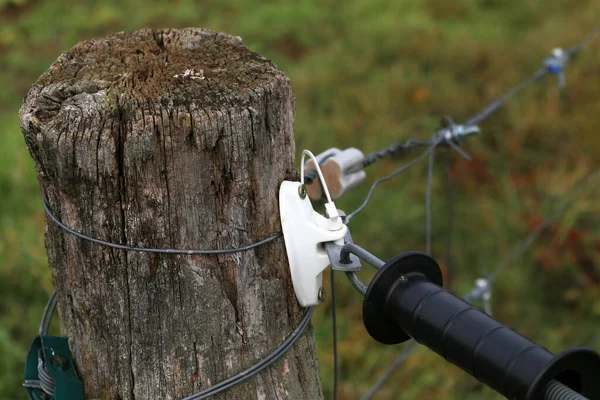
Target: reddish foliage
{"x":554,"y":256}
{"x":534,"y":221}
{"x":522,"y":179}
{"x":574,"y":236}
{"x":418,"y":95}
{"x":580,"y":253}
{"x":474,"y":171}
{"x":549,"y":259}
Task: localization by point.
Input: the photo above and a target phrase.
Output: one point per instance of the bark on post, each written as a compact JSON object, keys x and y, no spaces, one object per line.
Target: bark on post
{"x":169,"y":139}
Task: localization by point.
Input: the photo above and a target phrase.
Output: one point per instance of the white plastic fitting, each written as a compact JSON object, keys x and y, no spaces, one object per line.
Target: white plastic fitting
{"x":342,"y":170}
{"x":305,"y":231}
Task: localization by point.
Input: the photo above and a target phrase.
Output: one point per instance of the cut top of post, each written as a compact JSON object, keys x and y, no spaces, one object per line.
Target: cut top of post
{"x":188,"y":66}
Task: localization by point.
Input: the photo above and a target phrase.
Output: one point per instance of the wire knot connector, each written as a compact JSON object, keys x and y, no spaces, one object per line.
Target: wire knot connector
{"x":342,"y":170}
{"x":306,"y":233}
{"x":454,"y":133}
{"x":555,"y":64}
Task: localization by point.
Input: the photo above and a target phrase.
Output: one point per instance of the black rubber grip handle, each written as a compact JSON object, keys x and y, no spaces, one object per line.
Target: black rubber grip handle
{"x":405,"y":300}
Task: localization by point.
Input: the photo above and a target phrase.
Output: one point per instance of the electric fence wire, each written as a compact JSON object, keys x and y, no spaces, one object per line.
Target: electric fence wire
{"x":397,"y":172}
{"x":548,"y":68}
{"x":259,"y":366}
{"x":533,"y":235}
{"x":393,"y":150}
{"x":494,"y":106}
{"x":408,"y":349}
{"x":412,"y":346}
{"x":518,"y":249}
{"x":47,"y":315}
{"x":428,"y":219}
{"x":552,"y":65}
{"x":83,"y":236}
{"x":479,"y":291}
{"x":428,"y":203}
{"x":450,"y":223}
{"x":489,"y":110}
{"x":577,"y":48}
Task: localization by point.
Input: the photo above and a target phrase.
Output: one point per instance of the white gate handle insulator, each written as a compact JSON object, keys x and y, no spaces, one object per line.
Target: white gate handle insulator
{"x":305,"y":231}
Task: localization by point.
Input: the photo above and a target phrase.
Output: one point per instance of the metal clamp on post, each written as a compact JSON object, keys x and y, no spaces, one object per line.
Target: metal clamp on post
{"x":305,"y":232}
{"x":334,"y":252}
{"x":50,"y":369}
{"x":342,"y":170}
{"x":347,"y":258}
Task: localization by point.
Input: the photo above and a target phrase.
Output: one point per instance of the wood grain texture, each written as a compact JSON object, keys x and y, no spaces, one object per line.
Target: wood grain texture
{"x":131,"y":148}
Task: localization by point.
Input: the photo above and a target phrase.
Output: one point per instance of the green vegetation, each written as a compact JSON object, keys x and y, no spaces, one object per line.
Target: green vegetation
{"x":367,"y":73}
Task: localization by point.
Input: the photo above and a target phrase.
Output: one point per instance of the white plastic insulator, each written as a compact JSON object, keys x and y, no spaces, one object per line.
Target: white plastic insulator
{"x":305,"y":231}
{"x":342,"y":170}
{"x":482,"y":283}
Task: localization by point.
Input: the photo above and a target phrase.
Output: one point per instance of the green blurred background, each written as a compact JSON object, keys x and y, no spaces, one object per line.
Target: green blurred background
{"x":367,"y":73}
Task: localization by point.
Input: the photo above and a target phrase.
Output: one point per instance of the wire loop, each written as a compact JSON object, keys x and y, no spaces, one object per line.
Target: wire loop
{"x":80,"y":235}
{"x":317,"y":168}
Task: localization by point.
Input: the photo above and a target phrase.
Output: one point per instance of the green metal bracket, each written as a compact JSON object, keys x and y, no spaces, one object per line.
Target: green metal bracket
{"x":59,"y":364}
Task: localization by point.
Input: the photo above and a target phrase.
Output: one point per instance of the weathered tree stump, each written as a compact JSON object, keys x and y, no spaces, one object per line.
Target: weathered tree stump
{"x":169,"y":139}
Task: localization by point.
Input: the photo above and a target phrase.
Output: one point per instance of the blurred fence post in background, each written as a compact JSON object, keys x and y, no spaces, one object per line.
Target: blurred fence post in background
{"x":169,"y":139}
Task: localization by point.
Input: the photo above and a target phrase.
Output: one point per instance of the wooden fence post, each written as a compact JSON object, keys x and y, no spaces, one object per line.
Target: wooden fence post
{"x":169,"y":139}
